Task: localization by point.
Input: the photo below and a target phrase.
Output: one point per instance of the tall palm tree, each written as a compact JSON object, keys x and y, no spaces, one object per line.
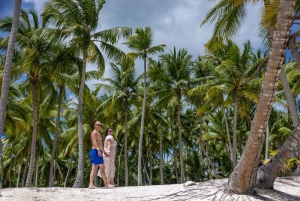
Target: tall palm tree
{"x":79,"y":20}
{"x":233,"y":11}
{"x":243,"y":178}
{"x":7,"y":69}
{"x":141,"y":46}
{"x":65,"y":63}
{"x":174,"y":87}
{"x":230,"y":84}
{"x":35,"y":46}
{"x":156,"y":66}
{"x":123,"y":85}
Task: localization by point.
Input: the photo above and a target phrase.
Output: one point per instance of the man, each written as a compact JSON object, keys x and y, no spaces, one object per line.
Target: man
{"x":96,"y":156}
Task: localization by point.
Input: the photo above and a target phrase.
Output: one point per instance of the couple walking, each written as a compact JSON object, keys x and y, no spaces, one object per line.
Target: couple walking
{"x":106,"y":165}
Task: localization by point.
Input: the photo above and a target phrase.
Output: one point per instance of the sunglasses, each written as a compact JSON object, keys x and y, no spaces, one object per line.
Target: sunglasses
{"x":110,"y":131}
{"x":99,"y":124}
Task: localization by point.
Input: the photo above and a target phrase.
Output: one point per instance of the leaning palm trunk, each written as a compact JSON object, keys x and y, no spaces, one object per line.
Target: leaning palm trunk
{"x":243,"y":177}
{"x":7,"y":70}
{"x":209,"y":163}
{"x":140,"y":182}
{"x":180,"y":145}
{"x":267,"y":174}
{"x":34,"y":132}
{"x":227,"y":131}
{"x":289,"y":98}
{"x":67,"y":176}
{"x":79,"y":177}
{"x":51,"y":179}
{"x":294,"y":49}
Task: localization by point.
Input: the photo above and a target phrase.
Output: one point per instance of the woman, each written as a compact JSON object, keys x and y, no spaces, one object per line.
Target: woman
{"x":110,"y":146}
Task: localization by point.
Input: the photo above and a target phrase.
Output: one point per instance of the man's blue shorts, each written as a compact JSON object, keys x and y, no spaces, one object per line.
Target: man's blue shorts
{"x":95,"y":159}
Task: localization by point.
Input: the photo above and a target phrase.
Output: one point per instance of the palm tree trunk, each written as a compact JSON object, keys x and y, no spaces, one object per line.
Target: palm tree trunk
{"x":160,"y":155}
{"x":228,"y":134}
{"x":297,"y":171}
{"x":69,"y":168}
{"x":267,"y":142}
{"x":34,"y":132}
{"x":293,"y":47}
{"x":36,"y":173}
{"x":150,"y":159}
{"x":79,"y":177}
{"x":51,"y":178}
{"x":209,"y":162}
{"x":119,"y":166}
{"x":2,"y":173}
{"x":26,"y":167}
{"x":142,"y":128}
{"x":174,"y":155}
{"x":186,"y":159}
{"x":145,"y":169}
{"x":243,"y":177}
{"x":19,"y":173}
{"x":180,"y":145}
{"x":150,"y":168}
{"x":200,"y":132}
{"x":125,"y":143}
{"x":234,"y":129}
{"x":267,"y":174}
{"x":289,"y":98}
{"x":7,"y":70}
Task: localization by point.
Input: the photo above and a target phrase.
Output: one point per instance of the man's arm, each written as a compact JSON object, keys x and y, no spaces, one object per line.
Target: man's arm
{"x":99,"y":144}
{"x":94,"y":140}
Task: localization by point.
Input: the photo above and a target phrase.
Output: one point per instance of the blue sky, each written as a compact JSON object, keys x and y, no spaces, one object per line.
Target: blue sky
{"x":174,"y":22}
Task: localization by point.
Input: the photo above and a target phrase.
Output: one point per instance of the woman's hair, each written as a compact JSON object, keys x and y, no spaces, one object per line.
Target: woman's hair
{"x":106,"y":132}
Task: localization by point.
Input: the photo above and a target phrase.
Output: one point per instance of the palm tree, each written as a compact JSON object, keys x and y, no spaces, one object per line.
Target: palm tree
{"x":228,"y":28}
{"x":35,"y":46}
{"x":66,"y":63}
{"x":7,"y":69}
{"x":141,"y":46}
{"x":174,"y":86}
{"x":230,"y":84}
{"x":243,"y":178}
{"x":123,"y":86}
{"x":79,"y":20}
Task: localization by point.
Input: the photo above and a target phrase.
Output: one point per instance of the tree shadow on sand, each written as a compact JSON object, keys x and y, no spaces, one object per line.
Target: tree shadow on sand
{"x":272,"y":194}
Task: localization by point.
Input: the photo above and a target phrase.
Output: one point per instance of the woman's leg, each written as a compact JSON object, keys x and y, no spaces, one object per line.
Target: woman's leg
{"x":112,"y":180}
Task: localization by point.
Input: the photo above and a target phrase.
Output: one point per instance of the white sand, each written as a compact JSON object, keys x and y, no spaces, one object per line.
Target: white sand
{"x":287,"y":188}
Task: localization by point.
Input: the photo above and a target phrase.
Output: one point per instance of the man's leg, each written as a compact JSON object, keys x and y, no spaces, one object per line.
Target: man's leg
{"x":92,"y":176}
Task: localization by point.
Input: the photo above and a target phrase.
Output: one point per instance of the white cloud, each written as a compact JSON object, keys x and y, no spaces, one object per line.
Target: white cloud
{"x":38,"y":4}
{"x":174,"y":22}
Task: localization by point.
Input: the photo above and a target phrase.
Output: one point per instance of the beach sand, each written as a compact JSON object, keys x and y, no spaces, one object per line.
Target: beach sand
{"x":287,"y":188}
